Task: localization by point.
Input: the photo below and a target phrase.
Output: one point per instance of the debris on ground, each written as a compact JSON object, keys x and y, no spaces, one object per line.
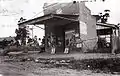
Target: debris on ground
{"x":44,"y":65}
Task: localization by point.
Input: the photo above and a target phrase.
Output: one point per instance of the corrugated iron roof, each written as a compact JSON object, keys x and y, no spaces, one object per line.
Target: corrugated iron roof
{"x":43,"y":19}
{"x":107,"y":25}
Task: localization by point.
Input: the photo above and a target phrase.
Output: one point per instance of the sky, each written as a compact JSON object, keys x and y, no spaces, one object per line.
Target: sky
{"x":12,"y":10}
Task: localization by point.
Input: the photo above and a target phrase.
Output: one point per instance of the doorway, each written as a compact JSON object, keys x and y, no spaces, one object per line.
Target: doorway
{"x":104,"y":40}
{"x":69,"y":39}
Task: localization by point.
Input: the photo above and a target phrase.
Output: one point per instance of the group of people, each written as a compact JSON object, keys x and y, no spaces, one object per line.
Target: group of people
{"x":51,"y":40}
{"x":52,"y":43}
{"x":69,"y":43}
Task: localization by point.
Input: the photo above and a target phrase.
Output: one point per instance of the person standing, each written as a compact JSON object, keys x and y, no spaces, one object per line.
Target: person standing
{"x":114,"y":42}
{"x":67,"y":46}
{"x":53,"y":44}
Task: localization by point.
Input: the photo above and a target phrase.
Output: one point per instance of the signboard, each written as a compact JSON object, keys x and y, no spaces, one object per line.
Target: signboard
{"x":83,"y":28}
{"x":62,"y":8}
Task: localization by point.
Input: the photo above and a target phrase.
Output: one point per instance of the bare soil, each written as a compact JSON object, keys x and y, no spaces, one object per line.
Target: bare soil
{"x":61,"y":66}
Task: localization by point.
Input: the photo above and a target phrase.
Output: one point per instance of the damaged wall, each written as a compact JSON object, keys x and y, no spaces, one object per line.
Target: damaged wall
{"x":87,"y":28}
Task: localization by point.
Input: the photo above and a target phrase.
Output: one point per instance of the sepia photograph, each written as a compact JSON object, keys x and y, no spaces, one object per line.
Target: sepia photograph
{"x":59,"y":38}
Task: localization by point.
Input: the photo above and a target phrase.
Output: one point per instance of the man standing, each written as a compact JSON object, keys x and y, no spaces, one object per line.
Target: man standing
{"x":67,"y":46}
{"x":114,"y":42}
{"x":53,"y":44}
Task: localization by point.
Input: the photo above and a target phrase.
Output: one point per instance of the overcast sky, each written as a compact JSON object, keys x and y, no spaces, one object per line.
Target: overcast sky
{"x":12,"y":10}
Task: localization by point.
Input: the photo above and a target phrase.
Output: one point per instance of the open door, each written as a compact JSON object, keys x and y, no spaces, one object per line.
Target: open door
{"x":69,"y":39}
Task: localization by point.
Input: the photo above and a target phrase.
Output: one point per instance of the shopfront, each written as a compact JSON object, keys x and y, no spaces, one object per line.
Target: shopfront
{"x":108,"y":39}
{"x":67,"y":29}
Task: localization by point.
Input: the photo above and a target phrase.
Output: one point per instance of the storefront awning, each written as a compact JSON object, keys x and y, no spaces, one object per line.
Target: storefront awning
{"x":60,"y":19}
{"x":108,"y":25}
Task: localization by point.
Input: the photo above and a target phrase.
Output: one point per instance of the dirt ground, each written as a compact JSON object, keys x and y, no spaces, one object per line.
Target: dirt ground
{"x":28,"y":66}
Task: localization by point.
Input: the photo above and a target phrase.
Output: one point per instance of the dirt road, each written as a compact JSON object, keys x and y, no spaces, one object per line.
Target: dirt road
{"x":37,"y":70}
{"x":25,"y":66}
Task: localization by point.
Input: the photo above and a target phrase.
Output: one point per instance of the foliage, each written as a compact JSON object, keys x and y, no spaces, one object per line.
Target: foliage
{"x":22,"y":33}
{"x":104,"y":17}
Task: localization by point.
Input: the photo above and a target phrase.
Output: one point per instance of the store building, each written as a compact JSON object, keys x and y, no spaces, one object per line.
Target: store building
{"x":69,"y":27}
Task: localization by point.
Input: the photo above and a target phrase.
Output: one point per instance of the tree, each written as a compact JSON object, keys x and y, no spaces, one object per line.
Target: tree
{"x":21,"y":20}
{"x":104,"y":17}
{"x":22,"y":33}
